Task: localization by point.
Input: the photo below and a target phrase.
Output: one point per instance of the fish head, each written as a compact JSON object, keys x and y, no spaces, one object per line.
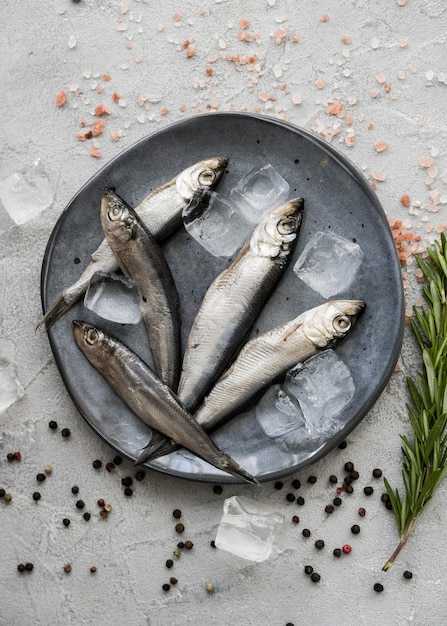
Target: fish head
{"x":275,"y":235}
{"x":326,"y":324}
{"x":117,"y":217}
{"x":204,"y":175}
{"x":93,"y":342}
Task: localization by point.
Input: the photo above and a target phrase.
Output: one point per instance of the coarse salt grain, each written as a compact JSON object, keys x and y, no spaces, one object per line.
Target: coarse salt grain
{"x":375,"y":43}
{"x":72,"y":42}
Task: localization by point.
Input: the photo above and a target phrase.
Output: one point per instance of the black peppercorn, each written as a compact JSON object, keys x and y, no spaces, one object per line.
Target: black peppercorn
{"x":118,"y":460}
{"x":128,"y":491}
{"x":2,"y":493}
{"x":312,"y":480}
{"x":140,"y":475}
{"x":278,"y":485}
{"x":97,"y":464}
{"x":349,"y":489}
{"x":300,"y":500}
{"x":337,"y":552}
{"x":306,"y":532}
{"x":389,"y":506}
{"x":166,"y":587}
{"x":126,"y":482}
{"x":368,"y":491}
{"x":177,"y":513}
{"x":173,"y":580}
{"x":377,"y":473}
{"x":217,"y":489}
{"x":180,"y":545}
{"x":86,"y":516}
{"x":407,"y":574}
{"x":329,"y":508}
{"x":296,"y":484}
{"x":355,"y":529}
{"x":333,"y":479}
{"x":21,"y":567}
{"x":52,"y":424}
{"x":354,"y":475}
{"x":308,"y":569}
{"x":75,"y":490}
{"x":315,"y":578}
{"x":179,"y":528}
{"x":10,"y":456}
{"x":36,"y":496}
{"x":80,"y":504}
{"x":347,"y":480}
{"x":212,"y":543}
{"x":40,"y":478}
{"x":29,"y":567}
{"x":66,"y":521}
{"x":169,"y":563}
{"x":295,"y":519}
{"x":188,"y":545}
{"x":349,"y":466}
{"x":378,"y":587}
{"x":290,"y":497}
{"x":342,"y":445}
{"x":65,"y":432}
{"x":385,"y":497}
{"x":319,"y":544}
{"x":336,"y":501}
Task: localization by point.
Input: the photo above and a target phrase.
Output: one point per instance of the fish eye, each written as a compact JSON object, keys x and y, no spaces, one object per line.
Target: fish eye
{"x":92,"y":336}
{"x":207,"y":178}
{"x":115,"y":212}
{"x":342,"y":323}
{"x":287,"y":225}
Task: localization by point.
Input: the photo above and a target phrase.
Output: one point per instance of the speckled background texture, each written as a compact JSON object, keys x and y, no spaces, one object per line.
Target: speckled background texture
{"x":371,"y":78}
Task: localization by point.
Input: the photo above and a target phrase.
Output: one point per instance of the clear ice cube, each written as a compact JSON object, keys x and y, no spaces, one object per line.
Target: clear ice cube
{"x":248,"y":528}
{"x":220,"y":229}
{"x":114,"y":298}
{"x":329,"y":263}
{"x":261,"y":190}
{"x":26,"y":193}
{"x":323,"y":388}
{"x":10,"y":387}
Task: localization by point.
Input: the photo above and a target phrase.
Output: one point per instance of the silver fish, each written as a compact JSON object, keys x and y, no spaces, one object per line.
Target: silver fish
{"x":267,"y":358}
{"x":152,"y":401}
{"x":234,"y":300}
{"x":161,"y":211}
{"x":142,"y":260}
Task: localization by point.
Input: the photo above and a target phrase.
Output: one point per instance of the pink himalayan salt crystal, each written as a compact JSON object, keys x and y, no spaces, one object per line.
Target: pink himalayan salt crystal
{"x":426,"y":162}
{"x":380,"y":146}
{"x":378,"y":175}
{"x":296,"y":98}
{"x":320,"y":83}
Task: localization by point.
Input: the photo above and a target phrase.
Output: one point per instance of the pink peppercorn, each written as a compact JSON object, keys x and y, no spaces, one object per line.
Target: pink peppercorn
{"x":346,"y":548}
{"x":17,"y":456}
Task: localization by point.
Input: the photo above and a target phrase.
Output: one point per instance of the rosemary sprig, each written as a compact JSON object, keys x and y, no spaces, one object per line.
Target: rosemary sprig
{"x":425,"y":460}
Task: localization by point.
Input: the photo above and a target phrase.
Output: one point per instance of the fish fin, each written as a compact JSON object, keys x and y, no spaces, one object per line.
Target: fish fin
{"x":231,"y":467}
{"x":57,"y":310}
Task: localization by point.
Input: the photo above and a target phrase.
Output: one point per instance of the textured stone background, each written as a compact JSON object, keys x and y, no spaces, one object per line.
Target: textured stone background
{"x":381,"y":68}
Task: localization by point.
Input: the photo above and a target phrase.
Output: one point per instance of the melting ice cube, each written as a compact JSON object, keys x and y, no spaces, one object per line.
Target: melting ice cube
{"x":220,"y":229}
{"x":26,"y":193}
{"x":247,"y":528}
{"x":328,"y":263}
{"x":323,"y":387}
{"x":259,"y":191}
{"x":114,"y":298}
{"x":10,"y":386}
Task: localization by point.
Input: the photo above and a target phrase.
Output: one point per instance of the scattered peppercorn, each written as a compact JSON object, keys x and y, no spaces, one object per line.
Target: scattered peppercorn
{"x":110,"y":466}
{"x":315,"y":578}
{"x":52,"y":424}
{"x":2,"y":493}
{"x":355,"y":529}
{"x":101,"y":502}
{"x":337,"y":501}
{"x":312,"y":480}
{"x":308,"y":569}
{"x":217,"y":489}
{"x":97,"y":463}
{"x":36,"y":496}
{"x":103,"y":514}
{"x":166,"y":587}
{"x":118,"y":460}
{"x":346,"y":548}
{"x":295,"y":519}
{"x":128,"y":491}
{"x":66,"y":521}
{"x":93,"y":569}
{"x":188,"y":545}
{"x":209,"y":587}
{"x":342,"y":445}
{"x":337,"y":552}
{"x":333,"y":479}
{"x":213,"y":543}
{"x":80,"y":504}
{"x":169,"y":563}
{"x":290,"y":497}
{"x":349,"y":466}
{"x":10,"y":456}
{"x":173,"y":580}
{"x":389,"y":506}
{"x":177,"y":513}
{"x":296,"y":484}
{"x":349,"y":489}
{"x":29,"y":567}
{"x":17,"y":456}
{"x":21,"y":567}
{"x":176,"y":553}
{"x":75,"y":490}
{"x":65,"y":432}
{"x":300,"y":500}
{"x":385,"y":497}
{"x":86,"y":516}
{"x":329,"y":508}
{"x":377,"y":473}
{"x":368,"y":491}
{"x":354,"y":475}
{"x":140,"y":475}
{"x":378,"y":587}
{"x":126,"y":482}
{"x":319,"y":544}
{"x":180,"y":545}
{"x":362,"y":512}
{"x":179,"y":528}
{"x":7,"y":497}
{"x":67,"y":568}
{"x":347,"y":480}
{"x":48,"y":469}
{"x":407,"y":574}
{"x":279,"y":485}
{"x":306,"y":532}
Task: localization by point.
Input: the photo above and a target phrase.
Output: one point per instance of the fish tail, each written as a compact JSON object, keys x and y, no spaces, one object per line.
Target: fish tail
{"x":230,"y":466}
{"x":64,"y":302}
{"x":159,"y":445}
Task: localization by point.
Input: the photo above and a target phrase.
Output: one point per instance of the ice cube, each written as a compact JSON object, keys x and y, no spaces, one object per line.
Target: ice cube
{"x":114,"y":298}
{"x":328,"y":263}
{"x":261,"y":190}
{"x":323,"y":388}
{"x":220,"y":229}
{"x":10,"y":387}
{"x":26,"y":193}
{"x":248,"y":528}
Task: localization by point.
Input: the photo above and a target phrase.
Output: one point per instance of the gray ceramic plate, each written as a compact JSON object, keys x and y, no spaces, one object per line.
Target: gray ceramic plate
{"x":337,"y":200}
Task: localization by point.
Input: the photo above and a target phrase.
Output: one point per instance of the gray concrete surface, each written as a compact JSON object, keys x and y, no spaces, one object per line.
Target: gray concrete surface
{"x":168,"y":61}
